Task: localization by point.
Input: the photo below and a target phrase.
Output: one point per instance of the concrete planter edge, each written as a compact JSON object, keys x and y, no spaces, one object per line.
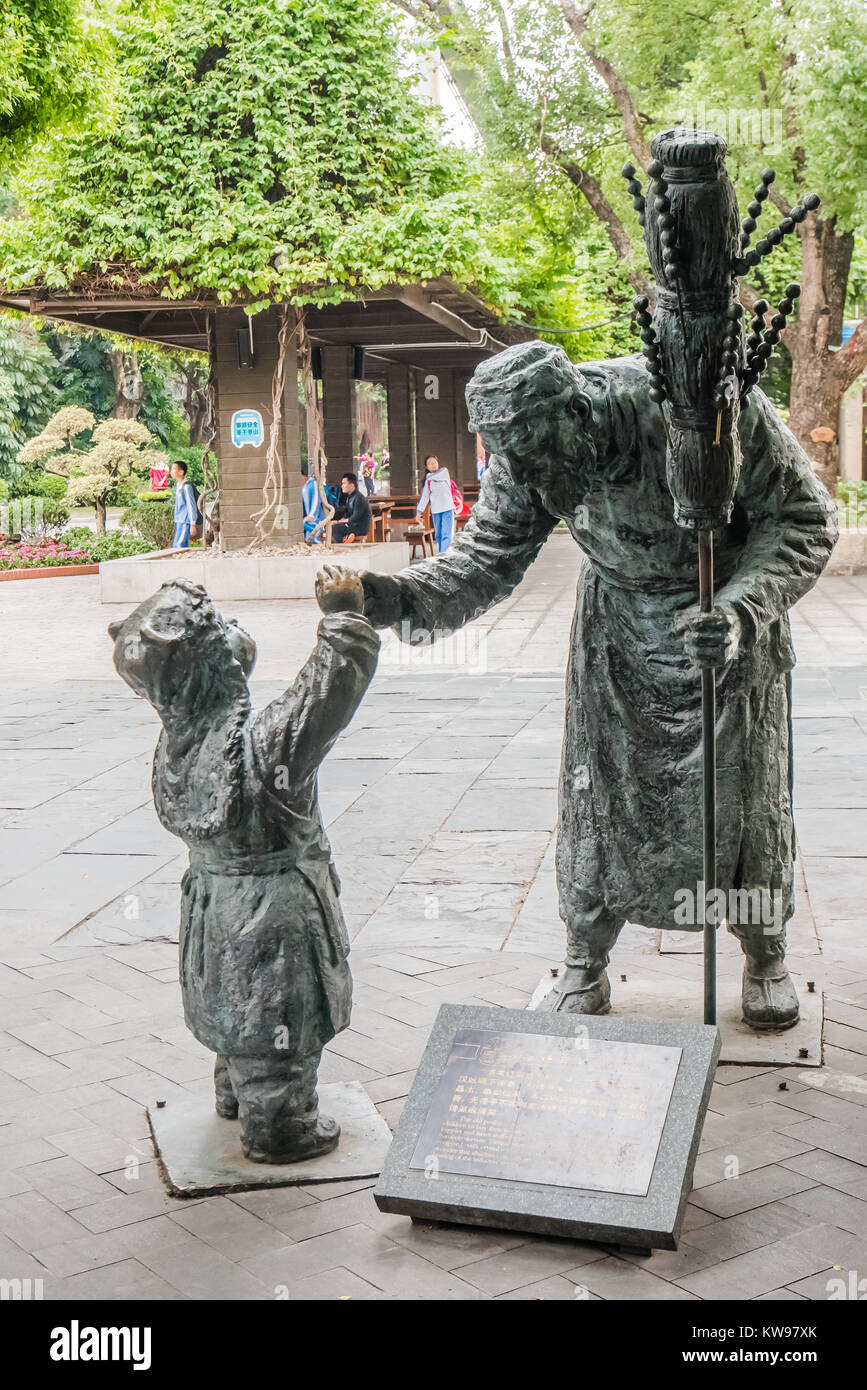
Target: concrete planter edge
{"x":236,"y":577}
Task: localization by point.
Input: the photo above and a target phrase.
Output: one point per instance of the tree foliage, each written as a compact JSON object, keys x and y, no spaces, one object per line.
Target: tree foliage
{"x":53,"y":56}
{"x":27,"y":392}
{"x":83,"y":370}
{"x":569,"y":90}
{"x":262,"y":148}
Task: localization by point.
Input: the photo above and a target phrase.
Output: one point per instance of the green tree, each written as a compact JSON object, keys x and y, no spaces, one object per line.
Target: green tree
{"x":27,"y":392}
{"x":118,"y":449}
{"x":110,"y":376}
{"x":576,"y":88}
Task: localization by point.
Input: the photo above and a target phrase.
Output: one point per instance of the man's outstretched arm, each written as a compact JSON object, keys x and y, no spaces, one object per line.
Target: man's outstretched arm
{"x":505,"y":532}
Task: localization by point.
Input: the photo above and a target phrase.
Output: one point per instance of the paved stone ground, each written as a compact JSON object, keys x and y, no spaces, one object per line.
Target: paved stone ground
{"x":440,"y":801}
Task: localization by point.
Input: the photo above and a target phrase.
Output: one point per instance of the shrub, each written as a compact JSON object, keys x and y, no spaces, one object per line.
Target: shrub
{"x":117,"y":448}
{"x":124,"y":494}
{"x":111,"y":545}
{"x":42,"y":516}
{"x":116,"y":545}
{"x":153,"y":520}
{"x":80,"y":536}
{"x":852,"y":502}
{"x":33,"y":482}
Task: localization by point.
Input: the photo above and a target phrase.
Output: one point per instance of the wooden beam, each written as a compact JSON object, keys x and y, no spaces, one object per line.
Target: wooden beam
{"x":100,"y":305}
{"x":453,"y":323}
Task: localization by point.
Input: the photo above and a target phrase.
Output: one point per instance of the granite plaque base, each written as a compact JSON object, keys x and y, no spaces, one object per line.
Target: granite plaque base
{"x":554,"y":1124}
{"x":200,"y":1154}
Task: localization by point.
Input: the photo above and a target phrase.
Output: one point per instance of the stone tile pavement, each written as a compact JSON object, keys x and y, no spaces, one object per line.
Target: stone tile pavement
{"x":440,"y":801}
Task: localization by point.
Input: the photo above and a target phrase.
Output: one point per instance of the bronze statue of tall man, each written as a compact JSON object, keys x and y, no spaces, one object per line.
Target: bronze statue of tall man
{"x":588,"y":447}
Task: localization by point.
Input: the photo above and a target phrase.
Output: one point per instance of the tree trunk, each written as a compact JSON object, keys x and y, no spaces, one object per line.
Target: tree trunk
{"x":128,"y":387}
{"x":99,"y":508}
{"x":197,"y":407}
{"x":317,"y":461}
{"x":819,"y":376}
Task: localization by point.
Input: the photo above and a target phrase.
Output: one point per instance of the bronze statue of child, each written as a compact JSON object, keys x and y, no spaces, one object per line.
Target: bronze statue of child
{"x":263,"y":943}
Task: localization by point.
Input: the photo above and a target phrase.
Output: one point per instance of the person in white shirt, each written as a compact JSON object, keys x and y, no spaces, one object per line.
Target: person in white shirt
{"x":437,"y":494}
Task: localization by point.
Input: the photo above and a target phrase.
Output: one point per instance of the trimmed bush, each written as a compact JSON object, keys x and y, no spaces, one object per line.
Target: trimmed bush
{"x":153,"y":519}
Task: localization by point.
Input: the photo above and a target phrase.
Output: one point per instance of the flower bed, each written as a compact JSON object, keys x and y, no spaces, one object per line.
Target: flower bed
{"x":30,"y":559}
{"x":20,"y":555}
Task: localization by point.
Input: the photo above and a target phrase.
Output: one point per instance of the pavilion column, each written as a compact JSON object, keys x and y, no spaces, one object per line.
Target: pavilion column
{"x":243,"y":470}
{"x":338,"y":411}
{"x":435,"y":418}
{"x":401,"y":430}
{"x":465,"y":443}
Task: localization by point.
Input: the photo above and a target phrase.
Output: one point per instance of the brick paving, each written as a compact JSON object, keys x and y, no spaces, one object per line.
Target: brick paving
{"x":440,"y":801}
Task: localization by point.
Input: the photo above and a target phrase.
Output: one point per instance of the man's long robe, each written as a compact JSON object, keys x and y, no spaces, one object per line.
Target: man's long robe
{"x":630,"y":790}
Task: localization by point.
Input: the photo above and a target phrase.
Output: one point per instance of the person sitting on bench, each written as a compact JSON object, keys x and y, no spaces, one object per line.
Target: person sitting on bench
{"x":353,"y":514}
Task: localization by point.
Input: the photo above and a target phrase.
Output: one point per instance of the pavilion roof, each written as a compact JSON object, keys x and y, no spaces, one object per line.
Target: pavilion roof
{"x":431,"y":324}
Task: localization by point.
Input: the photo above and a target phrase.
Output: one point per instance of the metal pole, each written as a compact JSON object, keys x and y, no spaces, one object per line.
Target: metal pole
{"x":708,"y":736}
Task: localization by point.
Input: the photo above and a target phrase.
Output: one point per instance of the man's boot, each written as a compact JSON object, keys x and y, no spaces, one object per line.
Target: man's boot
{"x":583,"y":987}
{"x":769,"y":1001}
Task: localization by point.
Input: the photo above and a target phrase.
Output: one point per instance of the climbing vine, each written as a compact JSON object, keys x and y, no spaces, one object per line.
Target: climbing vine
{"x":262,"y":150}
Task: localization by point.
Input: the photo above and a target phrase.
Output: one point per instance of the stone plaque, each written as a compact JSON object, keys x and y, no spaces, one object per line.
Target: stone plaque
{"x":539,"y":1108}
{"x":553,"y":1123}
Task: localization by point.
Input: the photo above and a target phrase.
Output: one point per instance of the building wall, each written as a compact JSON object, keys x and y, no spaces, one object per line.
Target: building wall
{"x":243,"y":471}
{"x":441,"y":422}
{"x":338,"y":408}
{"x":400,"y":390}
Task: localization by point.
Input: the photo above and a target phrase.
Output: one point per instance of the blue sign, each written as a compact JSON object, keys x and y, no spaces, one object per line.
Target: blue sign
{"x":247,"y":428}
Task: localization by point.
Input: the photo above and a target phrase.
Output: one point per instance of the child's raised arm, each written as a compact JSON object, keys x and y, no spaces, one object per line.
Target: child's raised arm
{"x":298,"y":729}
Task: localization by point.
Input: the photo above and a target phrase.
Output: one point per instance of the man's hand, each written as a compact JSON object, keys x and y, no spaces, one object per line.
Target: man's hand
{"x":711,"y":639}
{"x":383,"y":601}
{"x":339,"y":591}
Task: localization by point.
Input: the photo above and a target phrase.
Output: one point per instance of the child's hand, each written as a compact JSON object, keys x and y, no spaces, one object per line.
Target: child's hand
{"x":339,"y":591}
